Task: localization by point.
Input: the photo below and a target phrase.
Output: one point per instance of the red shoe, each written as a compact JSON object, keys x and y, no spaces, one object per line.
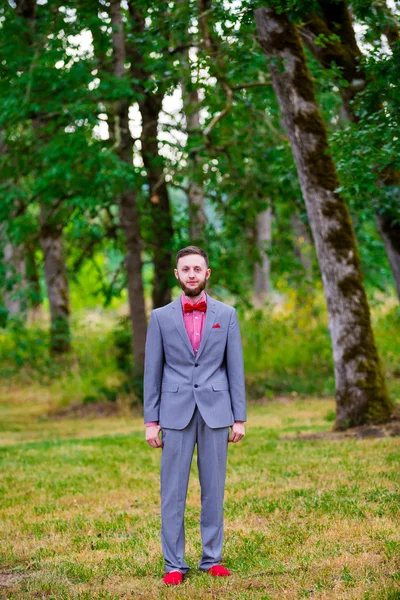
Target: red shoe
{"x":219,"y":571}
{"x":173,"y":578}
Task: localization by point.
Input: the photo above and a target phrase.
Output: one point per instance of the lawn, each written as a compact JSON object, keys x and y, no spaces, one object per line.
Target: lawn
{"x":303,"y":518}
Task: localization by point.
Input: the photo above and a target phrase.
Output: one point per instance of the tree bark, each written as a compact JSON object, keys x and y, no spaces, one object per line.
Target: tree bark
{"x":26,"y":9}
{"x":128,"y":211}
{"x":361,"y":394}
{"x":345,"y":53}
{"x":56,"y":280}
{"x":262,"y":268}
{"x":150,"y":107}
{"x":191,"y":106}
{"x":52,"y":220}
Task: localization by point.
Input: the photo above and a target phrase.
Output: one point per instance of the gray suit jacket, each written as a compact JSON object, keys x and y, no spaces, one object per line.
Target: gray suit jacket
{"x":176,"y":380}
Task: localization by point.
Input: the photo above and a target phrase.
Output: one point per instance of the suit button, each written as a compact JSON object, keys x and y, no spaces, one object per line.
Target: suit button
{"x":196,"y":365}
{"x":195,"y":385}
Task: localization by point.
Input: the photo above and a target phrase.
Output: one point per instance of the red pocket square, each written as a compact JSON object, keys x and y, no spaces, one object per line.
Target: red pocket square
{"x":216,"y":326}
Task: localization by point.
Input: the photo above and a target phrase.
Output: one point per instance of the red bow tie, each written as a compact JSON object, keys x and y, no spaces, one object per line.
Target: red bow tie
{"x":189,"y":307}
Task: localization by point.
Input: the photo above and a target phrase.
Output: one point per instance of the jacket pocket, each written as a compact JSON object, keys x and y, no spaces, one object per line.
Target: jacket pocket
{"x":220,"y":386}
{"x":169,"y":387}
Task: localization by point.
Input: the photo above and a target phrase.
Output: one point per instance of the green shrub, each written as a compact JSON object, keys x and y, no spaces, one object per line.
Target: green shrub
{"x":287,"y":353}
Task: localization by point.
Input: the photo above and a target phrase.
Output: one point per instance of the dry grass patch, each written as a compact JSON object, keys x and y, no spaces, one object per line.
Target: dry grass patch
{"x":304,"y":518}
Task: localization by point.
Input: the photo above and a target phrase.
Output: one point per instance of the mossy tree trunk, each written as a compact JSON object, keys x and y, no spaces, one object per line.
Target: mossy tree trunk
{"x":51,"y":231}
{"x":334,"y":24}
{"x":52,"y":219}
{"x":361,"y":394}
{"x":51,"y":228}
{"x":128,"y":211}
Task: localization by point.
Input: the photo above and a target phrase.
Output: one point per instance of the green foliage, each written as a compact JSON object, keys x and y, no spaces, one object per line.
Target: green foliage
{"x":287,"y":351}
{"x":122,"y":337}
{"x":89,"y":373}
{"x":57,"y":91}
{"x":386,"y":323}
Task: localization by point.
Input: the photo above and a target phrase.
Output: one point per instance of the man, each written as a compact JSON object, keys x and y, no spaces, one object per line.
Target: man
{"x":193,"y":392}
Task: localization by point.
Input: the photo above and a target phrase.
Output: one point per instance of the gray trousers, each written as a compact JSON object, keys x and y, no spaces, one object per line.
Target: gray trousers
{"x":177,"y":454}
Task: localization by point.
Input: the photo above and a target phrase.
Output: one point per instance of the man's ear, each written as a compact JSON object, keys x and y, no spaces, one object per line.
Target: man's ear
{"x":176,"y":273}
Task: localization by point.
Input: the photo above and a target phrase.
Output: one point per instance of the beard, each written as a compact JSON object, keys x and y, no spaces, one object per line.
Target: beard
{"x":193,"y":291}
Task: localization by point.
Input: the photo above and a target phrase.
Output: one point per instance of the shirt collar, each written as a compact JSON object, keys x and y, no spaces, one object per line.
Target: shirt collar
{"x":185,"y":298}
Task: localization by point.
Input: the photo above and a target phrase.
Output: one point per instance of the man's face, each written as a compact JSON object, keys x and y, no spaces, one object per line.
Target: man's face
{"x":192,"y":274}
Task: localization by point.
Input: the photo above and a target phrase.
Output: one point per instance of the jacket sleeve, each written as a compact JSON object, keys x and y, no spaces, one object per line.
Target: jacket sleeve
{"x":153,"y":370}
{"x":235,"y":369}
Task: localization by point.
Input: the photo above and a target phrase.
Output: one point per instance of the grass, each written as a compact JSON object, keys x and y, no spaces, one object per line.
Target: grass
{"x":303,"y":519}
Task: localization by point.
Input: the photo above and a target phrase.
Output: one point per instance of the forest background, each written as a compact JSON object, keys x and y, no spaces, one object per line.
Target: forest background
{"x":268,"y":134}
{"x":129,"y":130}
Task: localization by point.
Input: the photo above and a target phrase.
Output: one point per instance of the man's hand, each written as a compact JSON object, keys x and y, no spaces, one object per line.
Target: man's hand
{"x":152,"y":436}
{"x":237,"y":432}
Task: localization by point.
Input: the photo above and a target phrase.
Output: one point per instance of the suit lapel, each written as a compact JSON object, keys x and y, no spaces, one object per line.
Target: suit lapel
{"x":177,"y":315}
{"x":211,"y":314}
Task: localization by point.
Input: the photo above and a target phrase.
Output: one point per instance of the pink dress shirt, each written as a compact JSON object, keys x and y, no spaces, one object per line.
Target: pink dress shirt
{"x":194,"y":322}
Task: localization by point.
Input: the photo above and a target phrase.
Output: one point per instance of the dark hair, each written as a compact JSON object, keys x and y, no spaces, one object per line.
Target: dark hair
{"x":191,"y":250}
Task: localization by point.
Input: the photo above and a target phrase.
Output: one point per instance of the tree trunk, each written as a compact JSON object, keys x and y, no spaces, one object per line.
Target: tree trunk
{"x":262,"y":268}
{"x":361,"y":394}
{"x":128,"y":215}
{"x":105,"y":66}
{"x":160,"y":205}
{"x":302,"y":245}
{"x":343,"y":51}
{"x":56,"y":281}
{"x":335,"y":25}
{"x":27,"y":10}
{"x":191,"y":105}
{"x":128,"y":212}
{"x":150,"y":106}
{"x":15,"y":281}
{"x":51,"y":228}
{"x":392,"y":31}
{"x":390,"y":233}
{"x":13,"y":258}
{"x":33,"y":282}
